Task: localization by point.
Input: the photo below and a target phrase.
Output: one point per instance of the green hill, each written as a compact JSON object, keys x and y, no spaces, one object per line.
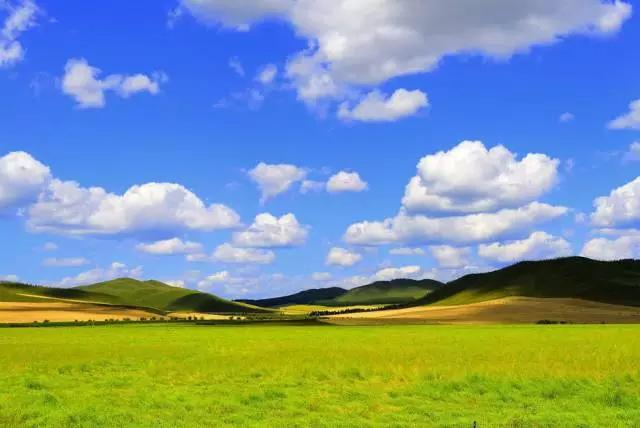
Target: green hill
{"x":155,"y":294}
{"x":17,"y":292}
{"x":306,"y":297}
{"x":397,"y":291}
{"x":615,"y":282}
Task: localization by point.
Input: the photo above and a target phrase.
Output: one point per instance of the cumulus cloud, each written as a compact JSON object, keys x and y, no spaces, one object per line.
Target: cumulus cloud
{"x":20,"y":17}
{"x":269,"y":231}
{"x":228,"y":253}
{"x":308,"y":186}
{"x":377,"y":107}
{"x":82,"y":82}
{"x":366,"y":43}
{"x":629,"y":120}
{"x":49,"y":246}
{"x":539,"y":245}
{"x":68,"y":208}
{"x":267,"y":74}
{"x":274,"y":179}
{"x":391,"y":273}
{"x":170,"y":246}
{"x":342,"y":257}
{"x":473,"y":228}
{"x":65,"y":262}
{"x":236,"y":66}
{"x":471,"y":178}
{"x":621,"y":207}
{"x":22,"y":179}
{"x":406,"y":251}
{"x":115,"y":270}
{"x":346,"y":182}
{"x":623,"y":247}
{"x":450,"y":257}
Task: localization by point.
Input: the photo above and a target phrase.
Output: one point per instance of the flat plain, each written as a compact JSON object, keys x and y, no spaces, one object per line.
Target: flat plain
{"x":320,"y":375}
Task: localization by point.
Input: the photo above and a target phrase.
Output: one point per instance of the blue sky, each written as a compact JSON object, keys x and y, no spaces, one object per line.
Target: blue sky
{"x":256,"y":149}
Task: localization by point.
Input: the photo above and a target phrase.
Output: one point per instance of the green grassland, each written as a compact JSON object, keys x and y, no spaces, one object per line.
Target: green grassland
{"x":304,"y":375}
{"x":153,"y":295}
{"x":385,"y":292}
{"x":616,"y":282}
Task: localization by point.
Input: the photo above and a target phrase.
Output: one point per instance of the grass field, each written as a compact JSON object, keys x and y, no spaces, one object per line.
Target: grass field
{"x":306,"y":375}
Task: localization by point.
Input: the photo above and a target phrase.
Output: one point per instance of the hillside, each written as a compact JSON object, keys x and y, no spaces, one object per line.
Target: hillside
{"x":397,"y":291}
{"x":17,"y":292}
{"x":616,"y":282}
{"x":155,"y":294}
{"x":306,"y":297}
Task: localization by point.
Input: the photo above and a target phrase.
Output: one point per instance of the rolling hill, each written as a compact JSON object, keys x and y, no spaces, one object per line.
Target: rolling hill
{"x":155,"y":294}
{"x":306,"y":297}
{"x":397,"y":291}
{"x":615,"y":282}
{"x":127,"y":292}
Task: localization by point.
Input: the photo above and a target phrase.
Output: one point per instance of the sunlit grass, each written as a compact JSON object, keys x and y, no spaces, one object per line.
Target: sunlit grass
{"x":174,"y":375}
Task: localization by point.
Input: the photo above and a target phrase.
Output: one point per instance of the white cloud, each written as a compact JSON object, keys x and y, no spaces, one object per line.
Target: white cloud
{"x":450,"y":257}
{"x":624,"y":247}
{"x":170,"y":246}
{"x":621,"y":207}
{"x":346,"y":182}
{"x":469,"y":178}
{"x":274,"y":179}
{"x":233,"y":13}
{"x":321,"y":276}
{"x":406,"y":251}
{"x":66,"y":262}
{"x":629,"y":120}
{"x":539,"y":245}
{"x":22,"y":179}
{"x":311,"y":186}
{"x":473,"y":228}
{"x":267,"y":74}
{"x":566,"y":117}
{"x":342,"y":257}
{"x":236,"y":66}
{"x":116,"y":270}
{"x":633,"y":153}
{"x":377,"y":107}
{"x":369,"y":42}
{"x":268,"y":231}
{"x":221,"y":276}
{"x":391,"y":273}
{"x":19,"y":19}
{"x":67,"y":208}
{"x":81,"y":81}
{"x":228,"y":253}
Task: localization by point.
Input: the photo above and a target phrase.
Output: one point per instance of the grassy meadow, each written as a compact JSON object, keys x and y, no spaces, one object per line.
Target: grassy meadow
{"x":180,"y":375}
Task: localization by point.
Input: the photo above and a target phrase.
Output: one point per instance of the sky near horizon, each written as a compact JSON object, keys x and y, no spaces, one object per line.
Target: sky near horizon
{"x":258,"y":148}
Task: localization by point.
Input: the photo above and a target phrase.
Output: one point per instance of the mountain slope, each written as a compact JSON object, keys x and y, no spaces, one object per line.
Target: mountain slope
{"x":155,"y":294}
{"x":616,"y":282}
{"x":17,"y":292}
{"x":306,"y":297}
{"x":396,"y":291}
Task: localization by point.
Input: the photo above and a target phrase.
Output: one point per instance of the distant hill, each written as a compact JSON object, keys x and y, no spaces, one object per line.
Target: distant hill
{"x":397,"y":291}
{"x":616,"y":282}
{"x":17,"y":292}
{"x":155,"y":294}
{"x":306,"y":297}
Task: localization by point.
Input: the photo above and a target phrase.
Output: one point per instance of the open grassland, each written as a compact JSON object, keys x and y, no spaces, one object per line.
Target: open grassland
{"x":305,"y":375}
{"x":306,"y":309}
{"x":58,"y":311}
{"x":509,"y":310}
